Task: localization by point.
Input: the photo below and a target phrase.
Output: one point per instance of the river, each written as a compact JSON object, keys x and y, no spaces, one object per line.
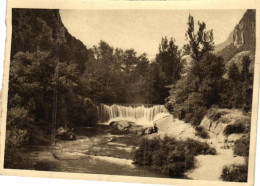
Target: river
{"x":99,"y":149}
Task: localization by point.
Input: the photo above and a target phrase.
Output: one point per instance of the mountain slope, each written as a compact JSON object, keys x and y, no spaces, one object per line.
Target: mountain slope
{"x":228,"y":41}
{"x":42,"y":30}
{"x":243,"y":37}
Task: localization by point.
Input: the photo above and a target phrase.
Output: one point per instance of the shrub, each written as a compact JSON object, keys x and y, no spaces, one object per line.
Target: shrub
{"x":235,"y":173}
{"x":170,"y":156}
{"x":201,"y":132}
{"x":242,"y":146}
{"x":234,"y":129}
{"x":195,"y":109}
{"x":14,"y":157}
{"x":196,"y":115}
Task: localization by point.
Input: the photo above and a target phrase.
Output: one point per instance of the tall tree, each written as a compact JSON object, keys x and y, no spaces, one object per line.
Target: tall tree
{"x":195,"y":92}
{"x":200,"y":42}
{"x":169,"y":59}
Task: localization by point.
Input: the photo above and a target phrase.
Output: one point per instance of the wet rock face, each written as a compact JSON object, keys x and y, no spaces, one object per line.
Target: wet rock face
{"x":65,"y":134}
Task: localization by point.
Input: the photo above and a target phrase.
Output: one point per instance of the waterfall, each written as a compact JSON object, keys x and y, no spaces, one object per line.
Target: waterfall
{"x":141,"y":115}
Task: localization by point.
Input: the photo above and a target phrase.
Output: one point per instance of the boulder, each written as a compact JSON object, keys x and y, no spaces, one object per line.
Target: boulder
{"x":65,"y":134}
{"x":131,"y":127}
{"x":121,"y":125}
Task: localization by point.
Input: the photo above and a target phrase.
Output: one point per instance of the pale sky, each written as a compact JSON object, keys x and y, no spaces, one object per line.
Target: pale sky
{"x":142,"y":30}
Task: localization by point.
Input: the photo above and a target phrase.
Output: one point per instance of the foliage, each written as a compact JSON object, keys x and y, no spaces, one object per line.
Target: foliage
{"x":15,"y":159}
{"x":15,"y":138}
{"x":235,"y":173}
{"x":201,"y":132}
{"x":205,"y":85}
{"x":234,"y":129}
{"x":194,"y":93}
{"x":197,"y":91}
{"x":170,"y":156}
{"x":170,"y":60}
{"x":237,"y":90}
{"x":238,"y":173}
{"x":242,"y":146}
{"x":201,"y":42}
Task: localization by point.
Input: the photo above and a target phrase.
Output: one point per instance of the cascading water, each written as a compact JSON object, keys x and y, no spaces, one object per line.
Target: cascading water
{"x":141,"y":115}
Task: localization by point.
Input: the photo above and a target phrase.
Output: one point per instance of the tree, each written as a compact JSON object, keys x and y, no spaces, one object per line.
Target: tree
{"x":199,"y":43}
{"x":195,"y":92}
{"x":238,"y":89}
{"x":169,"y":59}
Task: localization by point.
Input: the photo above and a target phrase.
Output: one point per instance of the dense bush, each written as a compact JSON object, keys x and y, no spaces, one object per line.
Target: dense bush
{"x":242,"y":146}
{"x":237,"y":89}
{"x":235,"y":173}
{"x":238,"y":173}
{"x":192,"y":110}
{"x":234,"y":129}
{"x":170,"y":156}
{"x":201,"y":132}
{"x":15,"y":159}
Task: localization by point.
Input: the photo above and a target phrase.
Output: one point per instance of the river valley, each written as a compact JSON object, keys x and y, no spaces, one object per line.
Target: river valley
{"x":102,"y":150}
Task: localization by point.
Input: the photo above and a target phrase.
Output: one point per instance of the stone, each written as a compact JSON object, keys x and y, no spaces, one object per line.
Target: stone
{"x":121,"y":125}
{"x":131,"y":127}
{"x":65,"y":134}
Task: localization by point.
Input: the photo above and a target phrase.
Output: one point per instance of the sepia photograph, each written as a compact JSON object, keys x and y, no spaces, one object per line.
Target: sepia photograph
{"x":155,"y":93}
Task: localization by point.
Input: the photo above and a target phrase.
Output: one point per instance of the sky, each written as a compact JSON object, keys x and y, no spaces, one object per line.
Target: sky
{"x":142,"y":30}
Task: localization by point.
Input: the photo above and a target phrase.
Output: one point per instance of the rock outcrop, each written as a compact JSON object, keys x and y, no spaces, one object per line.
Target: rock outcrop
{"x":238,"y":60}
{"x":242,"y":38}
{"x":244,"y":32}
{"x":175,"y":128}
{"x":216,"y":127}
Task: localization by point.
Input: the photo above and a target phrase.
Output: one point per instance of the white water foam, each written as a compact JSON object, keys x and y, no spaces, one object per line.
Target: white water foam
{"x":141,"y":115}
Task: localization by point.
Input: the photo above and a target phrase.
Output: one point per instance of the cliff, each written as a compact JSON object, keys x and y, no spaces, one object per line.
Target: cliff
{"x":242,"y":38}
{"x":42,"y":30}
{"x":244,"y":32}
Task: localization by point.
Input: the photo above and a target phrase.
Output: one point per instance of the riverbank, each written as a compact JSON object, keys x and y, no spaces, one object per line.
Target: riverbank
{"x":104,"y":150}
{"x":205,"y":166}
{"x":95,"y":151}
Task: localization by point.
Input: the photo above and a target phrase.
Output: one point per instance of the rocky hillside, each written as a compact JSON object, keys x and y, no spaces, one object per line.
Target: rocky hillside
{"x":226,"y":126}
{"x":43,"y":30}
{"x":242,"y":38}
{"x":223,"y":45}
